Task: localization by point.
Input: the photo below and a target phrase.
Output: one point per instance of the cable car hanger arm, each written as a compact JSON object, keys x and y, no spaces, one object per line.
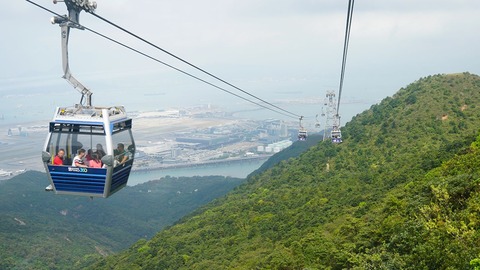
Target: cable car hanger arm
{"x":74,"y":8}
{"x":66,"y":68}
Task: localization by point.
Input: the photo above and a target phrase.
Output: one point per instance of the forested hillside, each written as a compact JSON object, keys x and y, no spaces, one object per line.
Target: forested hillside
{"x":293,"y":151}
{"x":401,"y":192}
{"x":40,"y":230}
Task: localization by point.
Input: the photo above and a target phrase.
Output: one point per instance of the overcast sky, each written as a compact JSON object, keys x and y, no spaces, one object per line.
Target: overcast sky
{"x":262,"y":46}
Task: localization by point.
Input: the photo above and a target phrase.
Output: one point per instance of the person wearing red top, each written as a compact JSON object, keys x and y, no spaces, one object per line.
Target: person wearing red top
{"x":58,"y":160}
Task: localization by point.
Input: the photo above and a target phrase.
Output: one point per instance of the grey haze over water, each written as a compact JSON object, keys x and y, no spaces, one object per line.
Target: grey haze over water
{"x":23,"y":107}
{"x":273,"y":49}
{"x":20,"y":106}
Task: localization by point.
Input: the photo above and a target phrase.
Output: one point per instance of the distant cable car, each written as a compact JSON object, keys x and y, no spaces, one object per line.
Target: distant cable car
{"x":336,"y":135}
{"x":302,"y":132}
{"x":96,"y":145}
{"x":317,"y":123}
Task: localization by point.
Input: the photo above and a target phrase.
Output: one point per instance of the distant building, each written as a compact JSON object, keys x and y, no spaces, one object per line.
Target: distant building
{"x":274,"y":147}
{"x":175,"y":152}
{"x":204,"y":141}
{"x":17,"y":132}
{"x":274,"y":127}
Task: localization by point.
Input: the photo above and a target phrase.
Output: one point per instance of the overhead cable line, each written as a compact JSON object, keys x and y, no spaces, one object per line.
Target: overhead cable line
{"x":168,"y":65}
{"x":186,"y":73}
{"x":190,"y":64}
{"x":345,"y":49}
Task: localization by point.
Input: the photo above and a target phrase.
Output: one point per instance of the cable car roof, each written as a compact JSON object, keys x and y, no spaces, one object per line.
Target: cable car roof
{"x":92,"y":115}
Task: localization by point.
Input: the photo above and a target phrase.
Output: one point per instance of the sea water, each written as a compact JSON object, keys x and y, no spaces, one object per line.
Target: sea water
{"x":239,"y":169}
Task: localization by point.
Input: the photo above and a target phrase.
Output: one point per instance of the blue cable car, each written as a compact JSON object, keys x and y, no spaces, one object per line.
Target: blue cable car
{"x":102,"y":132}
{"x":336,"y":135}
{"x":302,"y":132}
{"x":106,"y":134}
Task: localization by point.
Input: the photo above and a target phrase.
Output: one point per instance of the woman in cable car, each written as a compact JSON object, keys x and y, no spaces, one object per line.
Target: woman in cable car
{"x":97,"y":129}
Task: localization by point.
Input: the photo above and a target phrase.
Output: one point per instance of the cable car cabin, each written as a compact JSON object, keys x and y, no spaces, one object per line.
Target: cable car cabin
{"x":105,"y":135}
{"x":336,"y":136}
{"x":302,"y":134}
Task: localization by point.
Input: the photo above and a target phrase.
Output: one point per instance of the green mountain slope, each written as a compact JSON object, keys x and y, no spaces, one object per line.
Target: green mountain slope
{"x":40,"y":230}
{"x":293,"y":151}
{"x":370,"y":202}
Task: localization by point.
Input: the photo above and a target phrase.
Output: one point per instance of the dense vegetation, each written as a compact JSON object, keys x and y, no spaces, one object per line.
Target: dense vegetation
{"x":402,"y":192}
{"x":40,"y":230}
{"x":293,"y":151}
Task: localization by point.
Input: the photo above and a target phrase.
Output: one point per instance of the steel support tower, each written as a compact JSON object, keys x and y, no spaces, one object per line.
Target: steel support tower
{"x":332,"y":120}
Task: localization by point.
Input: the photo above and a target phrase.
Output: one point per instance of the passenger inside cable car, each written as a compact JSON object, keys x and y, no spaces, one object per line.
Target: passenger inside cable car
{"x":121,"y":155}
{"x":100,"y":152}
{"x":58,"y":160}
{"x":79,"y":159}
{"x":95,"y":162}
{"x":65,"y":141}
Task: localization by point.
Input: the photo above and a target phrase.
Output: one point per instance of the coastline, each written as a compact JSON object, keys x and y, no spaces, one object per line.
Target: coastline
{"x":201,"y":164}
{"x":165,"y":167}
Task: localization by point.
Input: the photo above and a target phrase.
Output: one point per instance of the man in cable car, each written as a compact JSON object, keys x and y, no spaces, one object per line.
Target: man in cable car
{"x":78,"y":160}
{"x":121,"y":156}
{"x":58,"y":160}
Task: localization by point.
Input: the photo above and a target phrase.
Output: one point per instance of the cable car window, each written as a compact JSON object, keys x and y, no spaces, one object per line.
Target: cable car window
{"x":117,"y":127}
{"x":73,"y":137}
{"x":77,"y":128}
{"x":124,"y":147}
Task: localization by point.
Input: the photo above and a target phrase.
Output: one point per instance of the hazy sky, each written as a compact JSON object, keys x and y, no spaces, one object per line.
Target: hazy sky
{"x":262,"y":46}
